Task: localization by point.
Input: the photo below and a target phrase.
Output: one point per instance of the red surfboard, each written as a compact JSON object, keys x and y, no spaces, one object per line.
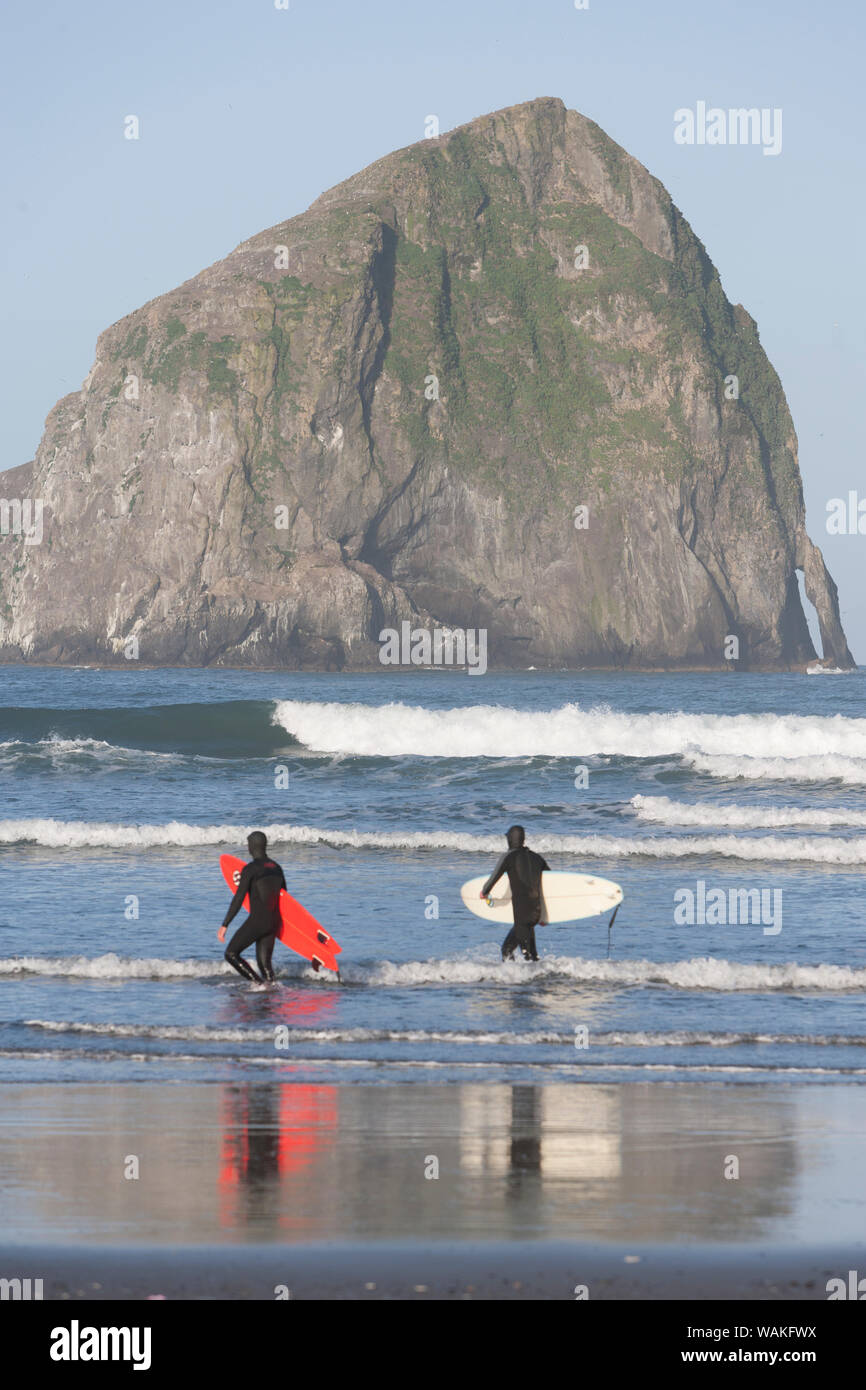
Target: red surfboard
{"x":299,"y":929}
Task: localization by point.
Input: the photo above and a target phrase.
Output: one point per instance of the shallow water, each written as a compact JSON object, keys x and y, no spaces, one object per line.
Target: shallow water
{"x":121,"y":789}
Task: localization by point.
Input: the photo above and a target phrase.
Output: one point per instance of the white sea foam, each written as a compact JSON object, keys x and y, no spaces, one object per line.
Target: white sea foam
{"x":66,"y":752}
{"x":56,"y":744}
{"x":490,"y":731}
{"x":825,"y":767}
{"x":466,"y":1038}
{"x":54,"y":834}
{"x":698,"y":973}
{"x":60,"y":834}
{"x":584,"y":1069}
{"x":661,"y":810}
{"x":113,"y":967}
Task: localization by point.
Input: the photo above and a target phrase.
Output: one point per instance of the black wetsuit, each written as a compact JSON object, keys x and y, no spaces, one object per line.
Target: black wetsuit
{"x":262,"y":879}
{"x":524,"y":868}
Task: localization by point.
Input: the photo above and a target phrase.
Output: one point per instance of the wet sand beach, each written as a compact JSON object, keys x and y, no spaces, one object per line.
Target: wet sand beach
{"x":230,"y":1190}
{"x":444,"y":1270}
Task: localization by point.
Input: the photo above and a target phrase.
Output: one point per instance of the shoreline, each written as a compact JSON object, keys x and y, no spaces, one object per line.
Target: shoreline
{"x":726,"y":669}
{"x":441,"y":1271}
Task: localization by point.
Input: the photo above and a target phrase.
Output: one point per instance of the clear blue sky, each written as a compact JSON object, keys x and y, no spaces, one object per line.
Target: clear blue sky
{"x":248,"y":113}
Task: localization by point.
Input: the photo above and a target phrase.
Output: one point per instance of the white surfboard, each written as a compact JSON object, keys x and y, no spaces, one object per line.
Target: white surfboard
{"x":566,"y":897}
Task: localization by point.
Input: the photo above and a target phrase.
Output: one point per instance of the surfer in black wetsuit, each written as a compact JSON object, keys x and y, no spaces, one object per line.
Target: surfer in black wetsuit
{"x":524,"y":868}
{"x":262,"y":879}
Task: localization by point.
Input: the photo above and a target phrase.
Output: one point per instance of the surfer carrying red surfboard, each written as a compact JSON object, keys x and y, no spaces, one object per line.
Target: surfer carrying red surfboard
{"x":262,"y":879}
{"x":524,"y":869}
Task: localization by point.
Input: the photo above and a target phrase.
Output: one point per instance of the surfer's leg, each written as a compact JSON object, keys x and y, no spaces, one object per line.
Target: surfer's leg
{"x":243,"y":967}
{"x":264,"y":951}
{"x":509,"y":944}
{"x":527,"y":944}
{"x":245,"y":935}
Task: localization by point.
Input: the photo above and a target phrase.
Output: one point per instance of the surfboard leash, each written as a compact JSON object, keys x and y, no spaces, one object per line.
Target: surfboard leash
{"x":610,"y":926}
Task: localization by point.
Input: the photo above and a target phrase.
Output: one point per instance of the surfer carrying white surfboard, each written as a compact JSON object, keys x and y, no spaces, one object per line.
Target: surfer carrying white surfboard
{"x":262,"y":879}
{"x":524,"y":869}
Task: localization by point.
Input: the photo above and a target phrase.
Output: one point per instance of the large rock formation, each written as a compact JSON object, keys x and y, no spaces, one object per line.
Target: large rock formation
{"x":257,"y":470}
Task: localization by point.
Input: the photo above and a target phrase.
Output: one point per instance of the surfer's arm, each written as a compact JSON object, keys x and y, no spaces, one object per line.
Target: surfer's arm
{"x":494,"y":877}
{"x":237,"y":900}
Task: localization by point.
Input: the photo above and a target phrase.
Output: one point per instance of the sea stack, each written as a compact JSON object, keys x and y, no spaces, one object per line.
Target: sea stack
{"x":492,"y":382}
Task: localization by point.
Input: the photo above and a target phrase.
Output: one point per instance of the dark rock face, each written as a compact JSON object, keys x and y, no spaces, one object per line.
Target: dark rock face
{"x":258,"y":471}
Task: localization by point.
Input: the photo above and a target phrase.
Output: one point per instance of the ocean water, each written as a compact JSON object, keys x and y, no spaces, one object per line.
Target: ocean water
{"x":122,"y":788}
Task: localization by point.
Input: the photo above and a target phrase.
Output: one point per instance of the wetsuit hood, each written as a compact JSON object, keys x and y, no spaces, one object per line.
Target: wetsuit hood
{"x":516,"y":837}
{"x":257,"y":844}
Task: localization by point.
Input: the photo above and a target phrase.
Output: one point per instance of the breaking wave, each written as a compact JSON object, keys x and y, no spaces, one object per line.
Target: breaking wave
{"x":113,"y":967}
{"x":829,"y":767}
{"x":492,"y":731}
{"x":661,"y":810}
{"x":811,"y":746}
{"x":221,"y":729}
{"x":56,"y":834}
{"x":459,"y":1038}
{"x":698,"y":973}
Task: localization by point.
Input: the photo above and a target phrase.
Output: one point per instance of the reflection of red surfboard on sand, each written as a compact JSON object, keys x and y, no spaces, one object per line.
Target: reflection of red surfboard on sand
{"x":299,"y":929}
